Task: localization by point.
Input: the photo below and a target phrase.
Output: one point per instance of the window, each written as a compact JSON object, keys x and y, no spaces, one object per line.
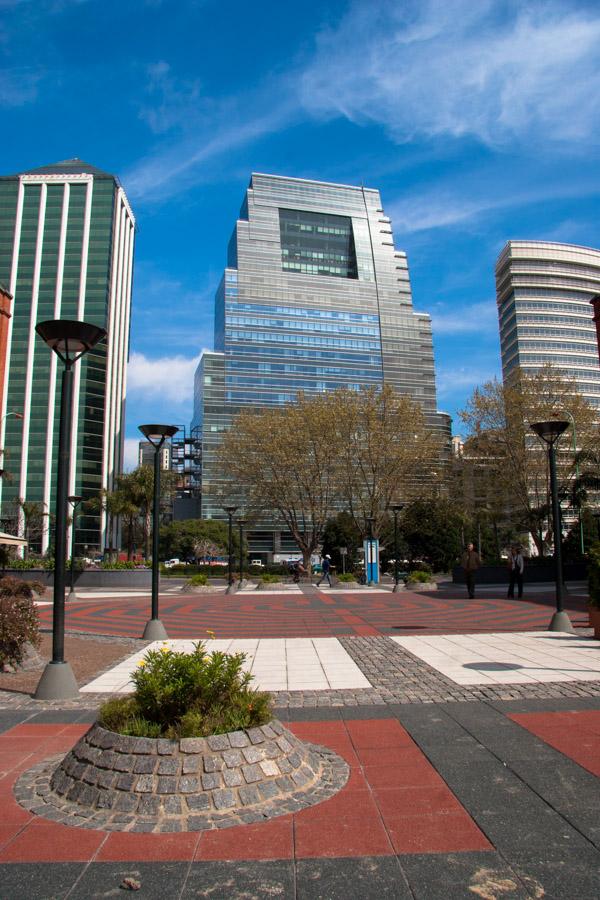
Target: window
{"x":317,"y":244}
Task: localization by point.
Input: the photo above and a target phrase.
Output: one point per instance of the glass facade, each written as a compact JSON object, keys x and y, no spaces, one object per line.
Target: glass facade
{"x":315,"y":297}
{"x":66,"y":245}
{"x":543,"y":293}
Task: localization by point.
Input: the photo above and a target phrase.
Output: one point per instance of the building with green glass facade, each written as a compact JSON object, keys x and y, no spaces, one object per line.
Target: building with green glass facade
{"x":66,"y":251}
{"x":314,"y":297}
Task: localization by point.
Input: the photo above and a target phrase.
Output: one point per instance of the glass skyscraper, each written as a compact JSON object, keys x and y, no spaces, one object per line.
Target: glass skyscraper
{"x":314,"y":297}
{"x":543,"y":292}
{"x":66,"y":251}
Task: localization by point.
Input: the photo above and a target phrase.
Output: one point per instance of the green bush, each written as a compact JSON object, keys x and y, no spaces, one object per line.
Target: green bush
{"x":267,"y":578}
{"x":594,"y":575}
{"x":188,"y":695}
{"x":420,"y":566}
{"x":19,"y":622}
{"x":419,"y":576}
{"x":198,"y":580}
{"x":29,"y":563}
{"x":120,"y":564}
{"x":346,"y":577}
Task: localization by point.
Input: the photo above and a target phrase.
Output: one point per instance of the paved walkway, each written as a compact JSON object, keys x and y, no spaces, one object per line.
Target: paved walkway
{"x":473,"y":743}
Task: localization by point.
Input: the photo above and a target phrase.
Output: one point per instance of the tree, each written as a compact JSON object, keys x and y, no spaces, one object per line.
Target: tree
{"x":341,"y":531}
{"x":285,"y":462}
{"x":34,"y":517}
{"x":386,"y":453}
{"x":133,"y":498}
{"x":195,"y":538}
{"x":433,"y":530}
{"x":498,"y":417}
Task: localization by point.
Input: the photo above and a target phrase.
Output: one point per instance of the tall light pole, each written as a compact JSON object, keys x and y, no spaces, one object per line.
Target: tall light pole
{"x":74,"y":500}
{"x":70,"y":340}
{"x":397,"y":509}
{"x":574,"y":448}
{"x":230,"y":510}
{"x":549,"y":433}
{"x":241,"y":523}
{"x":157,"y":435}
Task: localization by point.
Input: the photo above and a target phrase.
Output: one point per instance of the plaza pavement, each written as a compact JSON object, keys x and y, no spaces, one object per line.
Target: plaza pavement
{"x":472,"y":736}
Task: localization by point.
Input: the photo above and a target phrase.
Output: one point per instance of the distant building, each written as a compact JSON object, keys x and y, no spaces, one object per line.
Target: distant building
{"x":146,"y":453}
{"x":314,"y":297}
{"x":543,"y":292}
{"x":66,"y":251}
{"x":5,"y":317}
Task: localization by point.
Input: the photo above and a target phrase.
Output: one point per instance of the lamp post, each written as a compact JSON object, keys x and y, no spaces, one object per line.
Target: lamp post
{"x":157,"y":435}
{"x":70,"y":340}
{"x":241,"y":523}
{"x":549,"y":433}
{"x":574,"y":448}
{"x":596,"y":516}
{"x":230,"y":510}
{"x":343,"y":554}
{"x":74,"y":500}
{"x":396,"y":510}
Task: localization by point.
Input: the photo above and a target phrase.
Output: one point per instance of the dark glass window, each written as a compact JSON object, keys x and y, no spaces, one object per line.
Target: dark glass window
{"x":317,"y":244}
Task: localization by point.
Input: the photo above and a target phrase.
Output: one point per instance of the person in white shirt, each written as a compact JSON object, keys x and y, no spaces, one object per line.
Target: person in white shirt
{"x":516,"y":567}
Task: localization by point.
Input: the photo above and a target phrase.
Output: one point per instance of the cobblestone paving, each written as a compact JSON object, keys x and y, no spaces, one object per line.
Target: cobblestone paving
{"x":397,"y":676}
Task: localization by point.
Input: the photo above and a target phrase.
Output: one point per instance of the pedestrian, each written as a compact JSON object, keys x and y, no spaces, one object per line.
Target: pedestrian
{"x":516,"y":567}
{"x":326,"y":568}
{"x":470,"y":563}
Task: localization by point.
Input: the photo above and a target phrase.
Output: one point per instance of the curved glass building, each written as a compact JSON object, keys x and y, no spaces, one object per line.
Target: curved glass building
{"x":543,"y":291}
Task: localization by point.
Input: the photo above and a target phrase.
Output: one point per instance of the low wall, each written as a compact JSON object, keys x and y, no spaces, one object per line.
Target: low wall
{"x":91,"y":578}
{"x":534,"y":574}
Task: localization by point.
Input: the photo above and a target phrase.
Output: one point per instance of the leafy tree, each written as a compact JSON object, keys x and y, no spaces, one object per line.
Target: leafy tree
{"x":341,"y":531}
{"x":433,"y":530}
{"x":498,"y":416}
{"x":197,"y":538}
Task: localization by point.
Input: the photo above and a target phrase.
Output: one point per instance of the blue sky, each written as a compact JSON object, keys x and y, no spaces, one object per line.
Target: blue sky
{"x":478,"y":122}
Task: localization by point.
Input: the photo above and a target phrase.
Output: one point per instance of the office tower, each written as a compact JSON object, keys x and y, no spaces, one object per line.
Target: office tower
{"x":66,"y":252}
{"x":314,"y":297}
{"x":543,"y":292}
{"x":146,"y":452}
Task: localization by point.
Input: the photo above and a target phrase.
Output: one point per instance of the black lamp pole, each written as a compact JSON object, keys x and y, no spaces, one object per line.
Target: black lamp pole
{"x":74,"y":500}
{"x":157,"y":435}
{"x":70,"y":340}
{"x":230,"y":510}
{"x":241,"y":523}
{"x":549,"y":433}
{"x":396,"y":510}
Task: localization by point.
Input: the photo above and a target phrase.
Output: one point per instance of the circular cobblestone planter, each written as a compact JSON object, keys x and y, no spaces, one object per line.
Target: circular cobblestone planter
{"x":115,"y":782}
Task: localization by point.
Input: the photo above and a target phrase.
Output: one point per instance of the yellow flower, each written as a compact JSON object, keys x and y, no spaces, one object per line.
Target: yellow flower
{"x":141,"y":663}
{"x":211,"y":633}
{"x":164,"y":650}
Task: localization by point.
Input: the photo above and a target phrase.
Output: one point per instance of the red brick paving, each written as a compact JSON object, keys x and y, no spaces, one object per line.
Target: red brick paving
{"x":319,"y":615}
{"x":394,"y":802}
{"x":575,"y":734}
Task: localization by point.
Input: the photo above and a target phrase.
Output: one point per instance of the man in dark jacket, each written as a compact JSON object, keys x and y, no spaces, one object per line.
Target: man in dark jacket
{"x":516,"y":567}
{"x":326,"y":568}
{"x":470,"y":563}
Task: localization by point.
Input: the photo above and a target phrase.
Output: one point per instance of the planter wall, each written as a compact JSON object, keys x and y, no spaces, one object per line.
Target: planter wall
{"x":534,"y":574}
{"x":92,"y":578}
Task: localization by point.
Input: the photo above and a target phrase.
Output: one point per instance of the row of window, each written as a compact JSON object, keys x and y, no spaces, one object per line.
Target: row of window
{"x":233,"y":334}
{"x":290,"y":368}
{"x":302,"y":312}
{"x":322,"y":327}
{"x":366,"y":359}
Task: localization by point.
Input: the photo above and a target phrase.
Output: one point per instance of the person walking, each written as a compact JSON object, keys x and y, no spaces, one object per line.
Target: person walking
{"x":326,"y":568}
{"x":470,"y":563}
{"x":516,"y":567}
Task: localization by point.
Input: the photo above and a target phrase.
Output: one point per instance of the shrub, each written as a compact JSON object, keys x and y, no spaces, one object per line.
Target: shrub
{"x":594,"y":575}
{"x":420,"y":566}
{"x":266,"y":578}
{"x":188,"y":695}
{"x":198,"y":580}
{"x":19,"y":623}
{"x":120,"y":564}
{"x":346,"y":577}
{"x":419,"y":576}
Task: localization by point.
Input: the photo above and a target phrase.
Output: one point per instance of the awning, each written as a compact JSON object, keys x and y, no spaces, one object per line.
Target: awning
{"x":11,"y":540}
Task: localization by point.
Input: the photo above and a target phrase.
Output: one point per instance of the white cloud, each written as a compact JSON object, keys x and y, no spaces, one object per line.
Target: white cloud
{"x":130,"y":455}
{"x":465,"y":379}
{"x":456,"y":68}
{"x":474,"y":318}
{"x":165,"y":379}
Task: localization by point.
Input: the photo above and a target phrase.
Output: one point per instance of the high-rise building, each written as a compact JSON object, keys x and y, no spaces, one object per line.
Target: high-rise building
{"x":146,"y":452}
{"x":314,"y":297}
{"x":66,"y":251}
{"x":543,"y":291}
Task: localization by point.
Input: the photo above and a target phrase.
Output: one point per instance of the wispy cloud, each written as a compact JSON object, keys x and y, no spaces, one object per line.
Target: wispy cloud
{"x":170,"y":101}
{"x":479,"y":318}
{"x":456,"y":68}
{"x":130,"y":453}
{"x":461,"y":379}
{"x":165,"y":379}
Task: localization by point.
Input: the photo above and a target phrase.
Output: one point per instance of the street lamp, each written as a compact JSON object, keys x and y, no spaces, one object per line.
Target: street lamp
{"x":241,"y":523}
{"x":70,"y":340}
{"x":74,"y":500}
{"x":230,"y":511}
{"x":156,"y":435}
{"x":549,"y":433}
{"x":397,"y":509}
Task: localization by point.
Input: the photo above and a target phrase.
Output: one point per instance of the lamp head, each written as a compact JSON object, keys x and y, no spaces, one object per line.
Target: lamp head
{"x":74,"y":499}
{"x":70,"y":339}
{"x":230,"y":510}
{"x":157,"y":434}
{"x":242,"y":521}
{"x":397,"y":508}
{"x":549,"y":432}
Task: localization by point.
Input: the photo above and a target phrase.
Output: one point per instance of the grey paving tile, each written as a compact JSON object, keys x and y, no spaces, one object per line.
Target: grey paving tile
{"x":365,"y":878}
{"x":572,"y":876}
{"x":38,"y":881}
{"x":454,"y":876}
{"x":158,"y":880}
{"x":240,"y":880}
{"x":64,"y":715}
{"x":9,"y":718}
